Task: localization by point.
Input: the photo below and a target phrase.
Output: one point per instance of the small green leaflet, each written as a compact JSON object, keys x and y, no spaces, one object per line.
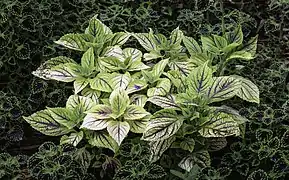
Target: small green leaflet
{"x":85,"y":103}
{"x":120,"y":81}
{"x":167,"y":102}
{"x":176,"y":37}
{"x":223,"y":88}
{"x":145,"y":41}
{"x":64,"y":116}
{"x":119,"y":101}
{"x":138,"y":99}
{"x":101,"y":82}
{"x":137,"y":66}
{"x":192,"y":45}
{"x":118,"y":130}
{"x":96,"y":28}
{"x":136,"y":85}
{"x":139,"y":125}
{"x":162,"y":88}
{"x":159,"y":68}
{"x":220,"y":42}
{"x":235,"y":36}
{"x":220,"y":125}
{"x":102,"y":139}
{"x":88,"y":60}
{"x":157,"y":148}
{"x":91,"y":122}
{"x":164,"y":124}
{"x":152,"y":55}
{"x":73,"y":138}
{"x":188,"y":144}
{"x":77,"y":42}
{"x":119,"y":38}
{"x":134,"y":112}
{"x":209,"y":44}
{"x":109,"y":64}
{"x":240,"y":55}
{"x":79,"y":84}
{"x":43,"y":122}
{"x":201,"y":158}
{"x":201,"y":78}
{"x":92,"y":94}
{"x":248,"y":91}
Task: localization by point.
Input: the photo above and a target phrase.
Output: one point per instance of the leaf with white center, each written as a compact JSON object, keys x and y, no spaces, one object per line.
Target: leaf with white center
{"x":188,"y":144}
{"x":119,"y":38}
{"x":137,"y":66}
{"x":100,"y":111}
{"x":67,"y":72}
{"x":64,"y":116}
{"x":134,"y":112}
{"x":200,"y":78}
{"x":120,"y":81}
{"x":44,"y":70}
{"x":157,"y":148}
{"x":79,"y":84}
{"x":176,"y":37}
{"x":235,"y":36}
{"x":201,"y":158}
{"x":248,"y":90}
{"x":146,"y":41}
{"x":73,"y":138}
{"x":79,"y":42}
{"x":92,"y":94}
{"x":91,"y":122}
{"x":138,"y":99}
{"x":96,"y":28}
{"x":220,"y":125}
{"x":102,"y":139}
{"x":109,"y":64}
{"x":101,"y":82}
{"x":222,"y":88}
{"x":114,"y":51}
{"x":209,"y":45}
{"x":192,"y":45}
{"x":168,"y":102}
{"x":164,"y":124}
{"x":133,"y":54}
{"x":240,"y":55}
{"x":136,"y":85}
{"x":118,"y":130}
{"x":139,"y":125}
{"x":84,"y":103}
{"x":119,"y":101}
{"x":184,"y":67}
{"x":43,"y":122}
{"x":88,"y":60}
{"x":159,"y":68}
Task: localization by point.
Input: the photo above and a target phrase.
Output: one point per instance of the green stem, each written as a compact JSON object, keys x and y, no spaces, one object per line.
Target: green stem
{"x":223,"y":20}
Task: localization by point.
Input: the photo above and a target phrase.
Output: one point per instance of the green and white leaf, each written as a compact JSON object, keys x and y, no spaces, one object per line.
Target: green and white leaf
{"x":92,"y":94}
{"x":162,"y":88}
{"x":133,"y":54}
{"x":78,"y":42}
{"x":188,"y":144}
{"x":102,"y":139}
{"x":96,"y":28}
{"x":88,"y":60}
{"x":84,"y":103}
{"x":79,"y":84}
{"x":43,"y":122}
{"x":101,"y":82}
{"x":134,"y":112}
{"x":251,"y":46}
{"x":136,"y":85}
{"x":120,"y":81}
{"x":157,"y":148}
{"x":192,"y":45}
{"x":100,"y":111}
{"x":119,"y":38}
{"x":152,"y":55}
{"x":118,"y":130}
{"x":138,"y":99}
{"x":114,"y":51}
{"x":176,"y":37}
{"x":139,"y":125}
{"x":73,"y":138}
{"x":248,"y":91}
{"x":223,"y":88}
{"x":220,"y":42}
{"x":201,"y":158}
{"x":119,"y":101}
{"x":64,"y":116}
{"x":67,"y":72}
{"x":220,"y":125}
{"x":137,"y":66}
{"x":109,"y":64}
{"x":240,"y":55}
{"x":168,"y":102}
{"x":145,"y":41}
{"x":235,"y":36}
{"x":209,"y":45}
{"x":164,"y":124}
{"x":159,"y":68}
{"x":184,"y":67}
{"x":91,"y":122}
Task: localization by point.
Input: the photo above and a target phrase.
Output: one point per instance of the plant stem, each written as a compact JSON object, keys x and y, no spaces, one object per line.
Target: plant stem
{"x":223,"y":20}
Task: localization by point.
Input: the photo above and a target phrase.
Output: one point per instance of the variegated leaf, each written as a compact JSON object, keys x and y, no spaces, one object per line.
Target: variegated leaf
{"x":64,"y":116}
{"x":85,"y":103}
{"x":118,"y":130}
{"x":157,"y":148}
{"x":120,"y":81}
{"x":96,"y":28}
{"x":114,"y":51}
{"x":192,"y":45}
{"x":92,"y":122}
{"x":73,"y":138}
{"x":119,"y":38}
{"x":101,"y":82}
{"x":88,"y":60}
{"x":119,"y":101}
{"x":102,"y":139}
{"x":184,"y":67}
{"x":167,"y":102}
{"x":100,"y":111}
{"x":109,"y":64}
{"x":145,"y":41}
{"x":134,"y":112}
{"x":136,"y":85}
{"x":138,"y":99}
{"x":77,"y":42}
{"x":176,"y":36}
{"x":133,"y":54}
{"x":248,"y":90}
{"x":139,"y":125}
{"x":67,"y":72}
{"x":79,"y":84}
{"x":92,"y":94}
{"x":201,"y":158}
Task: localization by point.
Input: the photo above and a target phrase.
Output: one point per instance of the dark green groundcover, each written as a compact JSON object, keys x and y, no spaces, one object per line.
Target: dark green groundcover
{"x":27,"y":31}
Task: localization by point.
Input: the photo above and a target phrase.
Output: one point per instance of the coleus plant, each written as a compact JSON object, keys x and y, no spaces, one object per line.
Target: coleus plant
{"x":113,"y":85}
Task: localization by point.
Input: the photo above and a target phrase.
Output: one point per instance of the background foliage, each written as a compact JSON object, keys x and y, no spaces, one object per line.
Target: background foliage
{"x":29,"y":27}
